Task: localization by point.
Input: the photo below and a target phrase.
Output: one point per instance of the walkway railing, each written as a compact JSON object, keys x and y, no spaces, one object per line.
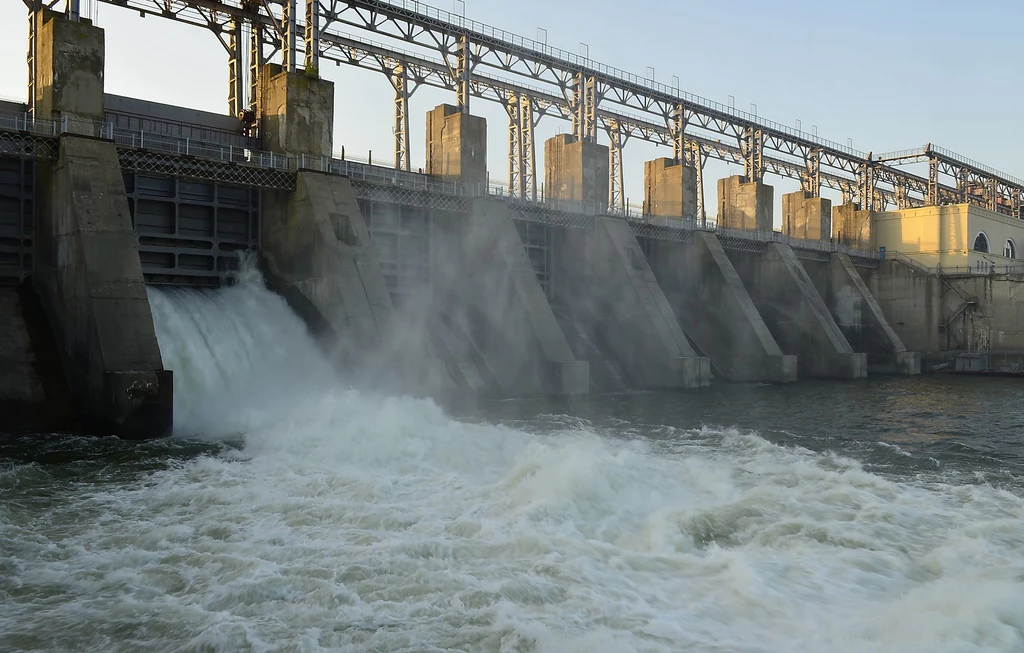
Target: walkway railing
{"x":364,"y":170}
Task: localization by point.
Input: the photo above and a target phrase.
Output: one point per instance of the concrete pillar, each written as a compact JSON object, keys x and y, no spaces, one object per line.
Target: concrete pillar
{"x":88,"y":274}
{"x":797,"y":316}
{"x":296,"y":113}
{"x":69,"y":69}
{"x":488,"y":293}
{"x":608,"y":290}
{"x":576,"y":171}
{"x":745,"y":205}
{"x":670,"y":189}
{"x":851,"y":226}
{"x":861,"y":320}
{"x":716,"y":311}
{"x":87,"y":270}
{"x":457,"y":147}
{"x":806,"y":217}
{"x":317,"y":254}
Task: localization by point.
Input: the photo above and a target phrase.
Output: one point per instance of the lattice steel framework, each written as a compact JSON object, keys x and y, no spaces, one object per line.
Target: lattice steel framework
{"x":470,"y":59}
{"x":522,"y":157}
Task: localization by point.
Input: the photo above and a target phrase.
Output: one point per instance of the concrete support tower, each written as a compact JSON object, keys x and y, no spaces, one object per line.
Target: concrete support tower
{"x":806,"y":216}
{"x":576,"y":171}
{"x":457,"y":148}
{"x":851,"y":226}
{"x":670,"y":189}
{"x":746,"y":205}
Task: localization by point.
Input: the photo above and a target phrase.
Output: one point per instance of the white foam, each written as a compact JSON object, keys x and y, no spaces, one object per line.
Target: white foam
{"x":352,"y":522}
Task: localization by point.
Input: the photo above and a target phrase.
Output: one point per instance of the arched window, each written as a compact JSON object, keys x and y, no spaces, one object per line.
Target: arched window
{"x":981,"y":243}
{"x":1010,"y":249}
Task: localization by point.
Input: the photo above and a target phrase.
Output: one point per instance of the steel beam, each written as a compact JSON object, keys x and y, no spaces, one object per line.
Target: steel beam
{"x":289,"y":27}
{"x":236,"y":68}
{"x":400,"y":81}
{"x":616,"y":191}
{"x":312,"y":40}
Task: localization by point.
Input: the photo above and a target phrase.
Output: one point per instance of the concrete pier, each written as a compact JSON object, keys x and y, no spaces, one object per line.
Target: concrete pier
{"x":851,"y":226}
{"x":745,"y":205}
{"x":796,"y":314}
{"x":576,"y":171}
{"x":670,"y":189}
{"x":89,"y":276}
{"x":316,"y":250}
{"x":457,"y":147}
{"x":487,"y":289}
{"x":86,"y":265}
{"x":716,"y":311}
{"x":806,"y":217}
{"x":607,"y":284}
{"x":862,"y":321}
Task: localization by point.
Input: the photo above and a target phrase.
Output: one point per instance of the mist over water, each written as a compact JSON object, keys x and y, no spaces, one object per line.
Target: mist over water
{"x":295,"y":513}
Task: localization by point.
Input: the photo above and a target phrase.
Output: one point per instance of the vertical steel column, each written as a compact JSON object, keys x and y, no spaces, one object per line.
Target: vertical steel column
{"x":677,"y":129}
{"x":74,"y":10}
{"x":35,"y":13}
{"x":993,"y":195}
{"x":255,"y":65}
{"x":616,"y":196}
{"x":902,"y":199}
{"x":752,"y":147}
{"x":400,"y":80}
{"x":933,"y":182}
{"x":866,"y":186}
{"x":693,"y":155}
{"x":236,"y":68}
{"x":290,"y":26}
{"x":579,"y":107}
{"x":313,"y":36}
{"x":463,"y":66}
{"x":514,"y":142}
{"x":590,"y":113}
{"x":810,"y":179}
{"x":527,"y":148}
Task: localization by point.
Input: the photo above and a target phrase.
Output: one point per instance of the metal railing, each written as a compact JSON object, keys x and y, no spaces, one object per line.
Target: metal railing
{"x":363,"y":170}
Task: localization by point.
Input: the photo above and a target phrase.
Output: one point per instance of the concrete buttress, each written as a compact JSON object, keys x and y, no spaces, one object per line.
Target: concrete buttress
{"x":317,"y":254}
{"x":89,"y":276}
{"x":796,"y":314}
{"x":490,"y":287}
{"x":716,"y":311}
{"x":605,"y":281}
{"x":862,"y":321}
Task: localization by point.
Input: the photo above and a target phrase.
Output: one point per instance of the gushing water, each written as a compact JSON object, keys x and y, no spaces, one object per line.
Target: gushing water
{"x":350,"y":522}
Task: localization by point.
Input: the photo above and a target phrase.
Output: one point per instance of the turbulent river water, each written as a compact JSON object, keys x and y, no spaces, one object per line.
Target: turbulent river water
{"x":293,"y":513}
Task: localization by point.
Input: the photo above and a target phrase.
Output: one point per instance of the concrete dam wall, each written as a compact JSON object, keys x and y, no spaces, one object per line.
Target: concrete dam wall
{"x":421,"y":284}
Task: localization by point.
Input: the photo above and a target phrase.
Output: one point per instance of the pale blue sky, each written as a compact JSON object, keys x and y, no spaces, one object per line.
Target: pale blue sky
{"x":888,"y":74}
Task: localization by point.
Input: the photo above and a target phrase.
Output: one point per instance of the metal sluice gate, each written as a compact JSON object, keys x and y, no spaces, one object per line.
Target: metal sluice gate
{"x":191,"y":232}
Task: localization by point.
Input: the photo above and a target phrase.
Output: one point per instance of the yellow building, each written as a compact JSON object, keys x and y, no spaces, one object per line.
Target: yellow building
{"x":958,"y":236}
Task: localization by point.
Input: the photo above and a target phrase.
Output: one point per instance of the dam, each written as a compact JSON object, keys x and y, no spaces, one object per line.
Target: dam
{"x":440,"y":282}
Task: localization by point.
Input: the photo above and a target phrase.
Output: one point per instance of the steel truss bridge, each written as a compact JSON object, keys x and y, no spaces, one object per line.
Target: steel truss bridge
{"x":414,"y":45}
